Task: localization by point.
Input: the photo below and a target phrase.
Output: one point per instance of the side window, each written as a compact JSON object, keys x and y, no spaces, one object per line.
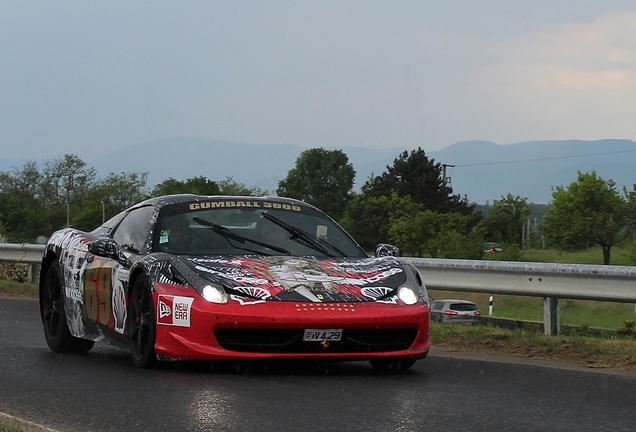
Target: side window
{"x":436,"y":306}
{"x":132,"y":232}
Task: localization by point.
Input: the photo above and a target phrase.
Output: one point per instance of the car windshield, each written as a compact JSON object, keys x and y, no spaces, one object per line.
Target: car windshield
{"x":260,"y":227}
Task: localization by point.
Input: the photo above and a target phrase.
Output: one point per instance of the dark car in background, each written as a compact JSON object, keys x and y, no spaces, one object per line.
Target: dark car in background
{"x":455,"y":311}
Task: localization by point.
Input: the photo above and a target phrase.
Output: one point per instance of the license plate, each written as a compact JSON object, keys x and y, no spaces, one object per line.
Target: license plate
{"x":322,"y":334}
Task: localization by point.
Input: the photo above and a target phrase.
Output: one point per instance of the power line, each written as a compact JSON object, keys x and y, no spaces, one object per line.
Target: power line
{"x":546,"y":158}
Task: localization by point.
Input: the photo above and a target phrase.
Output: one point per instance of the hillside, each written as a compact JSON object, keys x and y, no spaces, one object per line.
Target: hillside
{"x":485,"y":171}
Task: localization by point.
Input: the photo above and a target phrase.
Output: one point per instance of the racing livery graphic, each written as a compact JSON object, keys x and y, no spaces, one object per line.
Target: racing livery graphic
{"x":192,"y":277}
{"x":174,"y":310}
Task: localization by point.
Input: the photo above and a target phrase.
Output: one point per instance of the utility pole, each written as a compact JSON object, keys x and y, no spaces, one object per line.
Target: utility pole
{"x":447,"y":180}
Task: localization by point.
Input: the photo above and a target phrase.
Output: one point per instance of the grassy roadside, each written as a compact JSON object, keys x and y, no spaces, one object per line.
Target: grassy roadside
{"x":614,"y":352}
{"x":608,"y":315}
{"x":17,"y":289}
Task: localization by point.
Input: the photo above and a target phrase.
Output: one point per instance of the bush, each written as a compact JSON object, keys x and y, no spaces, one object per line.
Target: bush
{"x":585,"y":331}
{"x":17,"y":272}
{"x":629,"y":329}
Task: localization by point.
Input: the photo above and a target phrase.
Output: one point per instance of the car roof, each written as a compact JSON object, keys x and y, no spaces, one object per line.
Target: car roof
{"x":453,"y":301}
{"x":179,"y":198}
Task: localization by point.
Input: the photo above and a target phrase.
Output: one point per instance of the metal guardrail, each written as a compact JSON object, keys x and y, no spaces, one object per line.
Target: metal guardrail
{"x":21,"y":252}
{"x":547,"y":280}
{"x":567,"y":281}
{"x":30,"y":254}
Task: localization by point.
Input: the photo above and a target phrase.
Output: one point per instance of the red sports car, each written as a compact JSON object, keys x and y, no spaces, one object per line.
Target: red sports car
{"x":187,"y":277}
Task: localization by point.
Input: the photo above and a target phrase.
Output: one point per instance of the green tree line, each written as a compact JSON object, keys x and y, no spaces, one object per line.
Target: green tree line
{"x":409,"y":205}
{"x":38,"y":200}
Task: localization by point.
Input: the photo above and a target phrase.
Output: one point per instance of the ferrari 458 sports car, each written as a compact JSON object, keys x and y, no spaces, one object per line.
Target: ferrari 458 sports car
{"x":187,"y":277}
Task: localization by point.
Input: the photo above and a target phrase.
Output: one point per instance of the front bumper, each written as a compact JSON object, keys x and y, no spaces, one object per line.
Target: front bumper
{"x":274,"y":330}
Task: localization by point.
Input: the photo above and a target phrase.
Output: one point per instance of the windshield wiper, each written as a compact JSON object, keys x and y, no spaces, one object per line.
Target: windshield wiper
{"x":310,"y":240}
{"x":229,"y":234}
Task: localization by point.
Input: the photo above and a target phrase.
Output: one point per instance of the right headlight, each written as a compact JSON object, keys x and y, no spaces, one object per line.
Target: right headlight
{"x":214,"y":294}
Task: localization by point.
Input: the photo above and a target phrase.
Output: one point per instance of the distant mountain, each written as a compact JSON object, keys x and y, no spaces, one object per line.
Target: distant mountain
{"x":483,"y":171}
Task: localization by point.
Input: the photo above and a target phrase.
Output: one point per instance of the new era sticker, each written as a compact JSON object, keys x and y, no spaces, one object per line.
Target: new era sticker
{"x":174,"y":310}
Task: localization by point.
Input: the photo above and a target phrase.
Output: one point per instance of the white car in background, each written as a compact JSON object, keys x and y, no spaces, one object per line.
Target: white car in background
{"x":455,"y":311}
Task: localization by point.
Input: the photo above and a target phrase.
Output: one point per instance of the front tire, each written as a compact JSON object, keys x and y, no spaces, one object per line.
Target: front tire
{"x":142,"y":324}
{"x":53,"y":314}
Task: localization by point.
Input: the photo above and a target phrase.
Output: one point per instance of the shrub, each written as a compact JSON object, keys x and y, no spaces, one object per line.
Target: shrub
{"x":629,"y":329}
{"x":17,"y":272}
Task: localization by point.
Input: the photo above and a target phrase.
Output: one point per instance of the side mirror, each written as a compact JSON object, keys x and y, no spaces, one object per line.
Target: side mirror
{"x":108,"y":248}
{"x":384,"y":249}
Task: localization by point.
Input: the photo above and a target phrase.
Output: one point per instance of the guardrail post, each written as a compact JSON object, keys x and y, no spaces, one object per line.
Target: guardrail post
{"x":551,"y":318}
{"x":31,"y":273}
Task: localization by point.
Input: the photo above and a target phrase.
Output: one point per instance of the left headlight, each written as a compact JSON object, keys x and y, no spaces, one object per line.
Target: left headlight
{"x":413,"y":290}
{"x":408,"y":295}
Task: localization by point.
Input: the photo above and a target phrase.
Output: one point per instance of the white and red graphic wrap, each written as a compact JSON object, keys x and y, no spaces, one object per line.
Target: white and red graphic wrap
{"x":174,"y":310}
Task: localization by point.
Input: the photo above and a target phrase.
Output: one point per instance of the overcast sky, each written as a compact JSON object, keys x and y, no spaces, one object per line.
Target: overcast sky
{"x":84,"y":76}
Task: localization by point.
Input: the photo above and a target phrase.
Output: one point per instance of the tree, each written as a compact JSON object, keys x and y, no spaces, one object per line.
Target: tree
{"x":37,"y":202}
{"x":199,"y":185}
{"x":323,"y":178}
{"x":412,"y":179}
{"x":414,"y":174}
{"x":366,"y":217}
{"x":630,"y":198}
{"x":590,"y":211}
{"x":506,"y":219}
{"x":23,"y":215}
{"x":66,"y":180}
{"x":440,"y":235}
{"x":66,"y":183}
{"x":110,"y":196}
{"x":229,"y":186}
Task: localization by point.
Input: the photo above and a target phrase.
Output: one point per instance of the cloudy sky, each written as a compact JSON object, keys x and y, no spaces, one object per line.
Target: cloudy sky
{"x":83,"y":76}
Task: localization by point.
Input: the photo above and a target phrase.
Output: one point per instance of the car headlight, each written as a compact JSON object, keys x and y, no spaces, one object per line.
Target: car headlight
{"x":209,"y":290}
{"x":408,"y":295}
{"x":214,"y":294}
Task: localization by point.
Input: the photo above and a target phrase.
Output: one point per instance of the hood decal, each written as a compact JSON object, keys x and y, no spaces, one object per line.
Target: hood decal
{"x":302,"y":279}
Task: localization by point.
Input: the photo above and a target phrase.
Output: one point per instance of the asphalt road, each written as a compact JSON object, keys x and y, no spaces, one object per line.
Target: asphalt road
{"x":103,"y":391}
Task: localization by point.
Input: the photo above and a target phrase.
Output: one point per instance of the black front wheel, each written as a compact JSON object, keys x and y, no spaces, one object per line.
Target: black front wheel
{"x":142,"y":325}
{"x":53,"y":313}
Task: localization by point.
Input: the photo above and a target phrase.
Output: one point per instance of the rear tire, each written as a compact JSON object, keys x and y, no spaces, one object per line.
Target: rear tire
{"x":53,"y":314}
{"x":142,"y":324}
{"x":392,"y":365}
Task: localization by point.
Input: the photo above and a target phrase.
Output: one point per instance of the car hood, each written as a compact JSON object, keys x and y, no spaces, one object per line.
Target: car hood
{"x":304,"y":279}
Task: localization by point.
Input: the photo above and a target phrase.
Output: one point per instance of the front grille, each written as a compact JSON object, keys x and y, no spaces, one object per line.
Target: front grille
{"x":291,"y":341}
